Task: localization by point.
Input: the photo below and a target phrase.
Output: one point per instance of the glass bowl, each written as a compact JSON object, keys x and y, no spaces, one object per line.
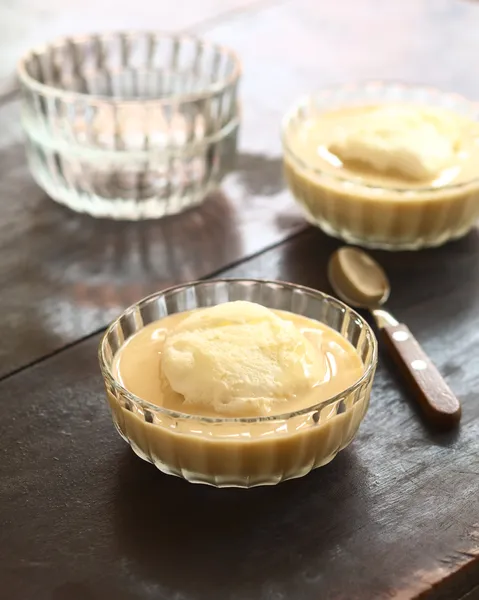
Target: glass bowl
{"x":130,"y":125}
{"x":372,"y":216}
{"x":240,"y":452}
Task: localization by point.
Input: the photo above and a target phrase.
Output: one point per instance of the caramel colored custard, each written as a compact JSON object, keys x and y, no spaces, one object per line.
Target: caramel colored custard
{"x":399,"y":147}
{"x":242,"y":362}
{"x":394,"y":175}
{"x":306,"y":362}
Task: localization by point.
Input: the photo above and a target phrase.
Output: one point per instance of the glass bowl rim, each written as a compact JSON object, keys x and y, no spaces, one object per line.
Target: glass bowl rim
{"x":47,"y":90}
{"x":144,"y":404}
{"x":357,"y":87}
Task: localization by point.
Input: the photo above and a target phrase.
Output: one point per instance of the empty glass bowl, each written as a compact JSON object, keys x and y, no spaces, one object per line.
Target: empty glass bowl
{"x":130,"y":125}
{"x":239,"y":452}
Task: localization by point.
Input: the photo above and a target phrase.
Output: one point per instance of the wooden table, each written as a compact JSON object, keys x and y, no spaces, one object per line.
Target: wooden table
{"x":394,"y":516}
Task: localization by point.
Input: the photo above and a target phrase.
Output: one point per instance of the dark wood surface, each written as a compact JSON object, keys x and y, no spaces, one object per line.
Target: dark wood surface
{"x":394,"y":516}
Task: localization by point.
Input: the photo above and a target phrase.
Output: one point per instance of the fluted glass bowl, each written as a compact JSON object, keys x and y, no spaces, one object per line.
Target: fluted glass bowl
{"x":368,"y":215}
{"x":239,"y":452}
{"x":130,"y":125}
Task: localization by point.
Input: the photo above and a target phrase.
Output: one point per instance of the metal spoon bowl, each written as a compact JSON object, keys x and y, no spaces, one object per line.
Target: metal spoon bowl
{"x":361,"y":282}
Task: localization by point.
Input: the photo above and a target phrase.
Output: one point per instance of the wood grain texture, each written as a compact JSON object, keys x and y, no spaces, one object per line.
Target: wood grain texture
{"x":395,"y":516}
{"x":81,"y":518}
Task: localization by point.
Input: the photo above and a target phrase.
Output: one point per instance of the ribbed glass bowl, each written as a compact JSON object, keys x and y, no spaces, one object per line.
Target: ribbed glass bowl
{"x":239,"y":452}
{"x":130,"y":125}
{"x":368,"y":215}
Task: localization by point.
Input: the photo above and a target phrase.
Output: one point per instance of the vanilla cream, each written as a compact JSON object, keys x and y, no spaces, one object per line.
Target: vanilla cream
{"x":240,"y":357}
{"x":414,"y":142}
{"x":237,"y":359}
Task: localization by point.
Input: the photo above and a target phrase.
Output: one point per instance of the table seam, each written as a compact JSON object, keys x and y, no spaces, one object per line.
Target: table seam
{"x":215,"y":273}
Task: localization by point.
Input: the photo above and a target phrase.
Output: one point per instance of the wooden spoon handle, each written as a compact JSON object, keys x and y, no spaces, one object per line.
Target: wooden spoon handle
{"x":435,"y":397}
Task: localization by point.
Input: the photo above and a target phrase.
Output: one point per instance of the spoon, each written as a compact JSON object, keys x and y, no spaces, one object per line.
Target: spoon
{"x":361,"y":282}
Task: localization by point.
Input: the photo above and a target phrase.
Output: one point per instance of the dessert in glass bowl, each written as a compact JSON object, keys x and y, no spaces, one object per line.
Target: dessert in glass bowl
{"x":385,"y":165}
{"x":238,"y":382}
